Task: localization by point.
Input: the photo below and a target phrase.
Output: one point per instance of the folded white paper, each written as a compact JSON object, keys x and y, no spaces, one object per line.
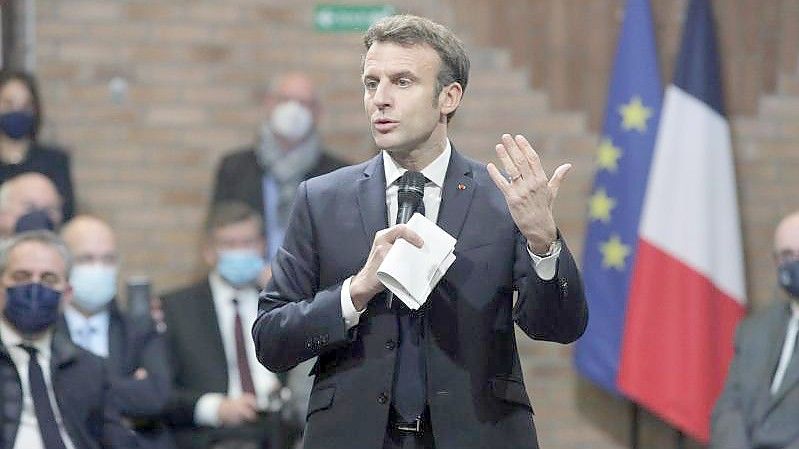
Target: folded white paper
{"x":411,"y":273}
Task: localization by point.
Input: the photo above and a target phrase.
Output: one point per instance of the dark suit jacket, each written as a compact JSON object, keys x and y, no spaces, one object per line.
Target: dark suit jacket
{"x":199,"y":366}
{"x":82,"y":389}
{"x":239,"y":177}
{"x":747,"y":415}
{"x":134,"y":343}
{"x":476,"y":394}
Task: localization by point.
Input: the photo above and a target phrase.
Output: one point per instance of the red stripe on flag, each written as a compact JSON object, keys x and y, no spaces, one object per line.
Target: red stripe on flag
{"x":678,"y":341}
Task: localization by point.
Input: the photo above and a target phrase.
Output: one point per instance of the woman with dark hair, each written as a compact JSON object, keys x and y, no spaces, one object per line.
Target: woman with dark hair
{"x":20,"y":151}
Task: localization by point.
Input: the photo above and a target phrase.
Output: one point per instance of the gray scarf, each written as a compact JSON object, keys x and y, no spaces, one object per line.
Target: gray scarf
{"x":289,"y":168}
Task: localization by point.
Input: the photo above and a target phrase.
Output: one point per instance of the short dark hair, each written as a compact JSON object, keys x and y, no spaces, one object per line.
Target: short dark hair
{"x":226,"y":213}
{"x":30,"y":83}
{"x":408,"y":30}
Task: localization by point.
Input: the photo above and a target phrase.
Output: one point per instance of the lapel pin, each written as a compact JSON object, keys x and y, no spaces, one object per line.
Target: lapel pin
{"x":461,"y":187}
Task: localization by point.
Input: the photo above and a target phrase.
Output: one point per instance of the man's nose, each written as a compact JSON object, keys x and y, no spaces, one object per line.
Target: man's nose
{"x":382,"y":96}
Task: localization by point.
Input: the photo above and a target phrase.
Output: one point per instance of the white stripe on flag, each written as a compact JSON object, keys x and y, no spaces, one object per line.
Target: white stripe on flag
{"x":690,"y":208}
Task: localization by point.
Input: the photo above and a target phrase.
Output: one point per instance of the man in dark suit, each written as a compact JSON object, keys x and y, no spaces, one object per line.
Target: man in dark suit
{"x":222,"y":396}
{"x":288,"y":150}
{"x":54,"y":395}
{"x":759,"y":407}
{"x":448,"y":375}
{"x":134,"y":352}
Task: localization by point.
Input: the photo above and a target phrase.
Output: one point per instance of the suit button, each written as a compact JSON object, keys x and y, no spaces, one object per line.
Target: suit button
{"x":382,"y":398}
{"x":390,"y":345}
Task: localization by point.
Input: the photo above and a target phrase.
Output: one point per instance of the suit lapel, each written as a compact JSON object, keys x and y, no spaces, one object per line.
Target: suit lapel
{"x":372,"y":197}
{"x":209,"y":336}
{"x":776,"y":338}
{"x":456,"y":194}
{"x":117,"y":350}
{"x":792,"y":371}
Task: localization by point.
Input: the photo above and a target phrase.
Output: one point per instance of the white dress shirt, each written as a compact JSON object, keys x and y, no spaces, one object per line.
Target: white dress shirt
{"x":435,"y":173}
{"x":28,"y":433}
{"x":265,"y":382}
{"x":787,"y":348}
{"x":90,"y":333}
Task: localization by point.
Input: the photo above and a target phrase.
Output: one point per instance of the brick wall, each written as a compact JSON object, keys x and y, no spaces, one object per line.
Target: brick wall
{"x":195,"y":72}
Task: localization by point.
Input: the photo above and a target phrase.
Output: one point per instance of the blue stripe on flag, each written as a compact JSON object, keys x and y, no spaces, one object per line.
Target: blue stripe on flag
{"x":697,"y":71}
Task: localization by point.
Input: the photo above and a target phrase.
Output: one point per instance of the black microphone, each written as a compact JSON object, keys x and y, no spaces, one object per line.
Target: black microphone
{"x":410,"y":197}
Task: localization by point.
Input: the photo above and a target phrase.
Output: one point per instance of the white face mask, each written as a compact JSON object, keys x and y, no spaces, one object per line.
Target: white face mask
{"x":93,"y":285}
{"x":291,"y":120}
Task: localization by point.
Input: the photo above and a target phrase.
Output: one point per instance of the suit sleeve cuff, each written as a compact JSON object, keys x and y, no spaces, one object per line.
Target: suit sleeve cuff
{"x":206,"y":410}
{"x":348,"y":311}
{"x":545,"y":266}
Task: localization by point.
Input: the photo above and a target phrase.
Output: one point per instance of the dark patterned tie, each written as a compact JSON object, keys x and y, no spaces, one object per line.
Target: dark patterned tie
{"x":241,"y":353}
{"x":48,"y":426}
{"x":410,"y":378}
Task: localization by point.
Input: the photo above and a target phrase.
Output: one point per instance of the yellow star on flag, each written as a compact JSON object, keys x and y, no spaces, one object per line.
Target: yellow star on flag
{"x":634,"y":115}
{"x":601,"y":205}
{"x":608,"y":155}
{"x":614,"y":253}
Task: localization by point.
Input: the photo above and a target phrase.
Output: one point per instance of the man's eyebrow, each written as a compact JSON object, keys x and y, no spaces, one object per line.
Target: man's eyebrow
{"x":404,"y":74}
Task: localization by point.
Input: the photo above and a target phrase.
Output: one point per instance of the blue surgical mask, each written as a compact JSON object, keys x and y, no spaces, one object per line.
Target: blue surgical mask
{"x":35,"y":220}
{"x":788,"y":276}
{"x":17,"y":124}
{"x":93,"y":286}
{"x":31,"y":308}
{"x":240,"y":267}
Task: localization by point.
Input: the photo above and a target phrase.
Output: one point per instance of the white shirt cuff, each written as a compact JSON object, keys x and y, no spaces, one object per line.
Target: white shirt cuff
{"x":348,"y":311}
{"x":206,"y":410}
{"x":545,"y":267}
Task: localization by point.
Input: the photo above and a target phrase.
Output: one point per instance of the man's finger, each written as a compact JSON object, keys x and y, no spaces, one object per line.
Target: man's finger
{"x":557,"y":178}
{"x":403,"y":231}
{"x":502,"y":183}
{"x":507,"y":162}
{"x":517,"y":155}
{"x":531,"y":155}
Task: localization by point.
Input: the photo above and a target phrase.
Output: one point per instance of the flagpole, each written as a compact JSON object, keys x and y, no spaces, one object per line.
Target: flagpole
{"x":634,"y":430}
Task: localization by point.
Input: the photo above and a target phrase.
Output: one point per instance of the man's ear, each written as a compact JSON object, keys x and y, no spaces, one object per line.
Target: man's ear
{"x":450,"y":97}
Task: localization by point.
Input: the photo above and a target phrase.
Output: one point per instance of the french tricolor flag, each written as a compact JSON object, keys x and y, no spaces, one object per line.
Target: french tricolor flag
{"x":687,"y":291}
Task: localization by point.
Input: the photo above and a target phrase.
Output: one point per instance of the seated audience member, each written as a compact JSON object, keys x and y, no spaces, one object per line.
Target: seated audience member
{"x":29,"y":202}
{"x":759,"y":407}
{"x":287,"y":150}
{"x":222,"y":396}
{"x":20,"y":150}
{"x":54,"y":395}
{"x":134,"y":352}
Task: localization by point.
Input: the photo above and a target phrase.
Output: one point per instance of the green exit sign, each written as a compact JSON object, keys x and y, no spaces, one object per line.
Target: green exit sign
{"x":334,"y":18}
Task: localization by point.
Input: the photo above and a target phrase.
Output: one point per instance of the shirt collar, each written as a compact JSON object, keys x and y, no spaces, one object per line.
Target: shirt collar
{"x":76,"y":320}
{"x":222,"y":291}
{"x":795,"y":309}
{"x":11,"y":338}
{"x":434,"y":172}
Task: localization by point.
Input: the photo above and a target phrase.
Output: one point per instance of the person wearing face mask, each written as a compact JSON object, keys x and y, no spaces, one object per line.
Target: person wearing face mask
{"x":54,"y":395}
{"x":759,"y":407}
{"x":223,"y":397}
{"x":134,"y":352}
{"x":29,"y":202}
{"x":20,"y":149}
{"x":287,"y":150}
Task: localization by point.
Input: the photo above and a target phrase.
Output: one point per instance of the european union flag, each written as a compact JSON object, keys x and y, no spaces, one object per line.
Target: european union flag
{"x":623,"y":160}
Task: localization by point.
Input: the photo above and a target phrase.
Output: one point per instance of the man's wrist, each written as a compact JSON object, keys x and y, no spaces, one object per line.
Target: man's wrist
{"x":545,"y":250}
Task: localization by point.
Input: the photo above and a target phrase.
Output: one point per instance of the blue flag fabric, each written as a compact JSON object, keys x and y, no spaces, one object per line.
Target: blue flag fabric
{"x":623,"y":161}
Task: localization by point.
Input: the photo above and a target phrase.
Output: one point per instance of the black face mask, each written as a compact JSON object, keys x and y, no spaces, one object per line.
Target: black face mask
{"x":788,"y":276}
{"x":37,"y":219}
